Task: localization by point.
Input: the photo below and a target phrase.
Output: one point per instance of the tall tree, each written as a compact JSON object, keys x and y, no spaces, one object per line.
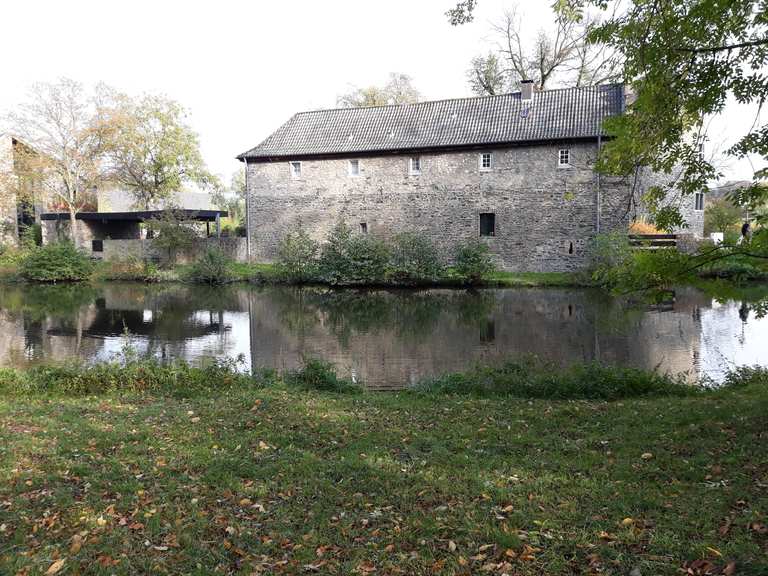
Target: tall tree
{"x":559,"y":55}
{"x":399,"y":89}
{"x":151,"y":151}
{"x":486,"y":76}
{"x":64,"y":125}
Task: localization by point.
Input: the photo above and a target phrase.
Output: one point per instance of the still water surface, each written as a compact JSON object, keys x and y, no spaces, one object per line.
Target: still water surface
{"x":386,"y":339}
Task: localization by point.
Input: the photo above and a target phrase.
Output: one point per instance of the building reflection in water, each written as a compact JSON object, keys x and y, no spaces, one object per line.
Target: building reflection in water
{"x":387,"y":339}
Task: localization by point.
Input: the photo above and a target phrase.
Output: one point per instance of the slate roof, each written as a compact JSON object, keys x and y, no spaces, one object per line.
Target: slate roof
{"x":571,"y":113}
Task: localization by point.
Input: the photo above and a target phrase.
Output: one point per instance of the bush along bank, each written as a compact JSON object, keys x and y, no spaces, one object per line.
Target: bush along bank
{"x":524,"y":378}
{"x":347,"y":259}
{"x":344,"y":259}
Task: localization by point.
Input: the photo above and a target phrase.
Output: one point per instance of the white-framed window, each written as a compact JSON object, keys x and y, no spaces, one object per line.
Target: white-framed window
{"x":364,"y":227}
{"x":563,"y":158}
{"x":698,"y":201}
{"x":295,"y":169}
{"x":485,"y":161}
{"x":354,"y":167}
{"x":414,"y":165}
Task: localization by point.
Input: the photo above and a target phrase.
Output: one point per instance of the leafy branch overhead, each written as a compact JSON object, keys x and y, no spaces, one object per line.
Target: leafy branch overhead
{"x":685,"y":60}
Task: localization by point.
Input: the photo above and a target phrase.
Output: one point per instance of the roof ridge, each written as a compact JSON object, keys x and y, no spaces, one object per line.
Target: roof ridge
{"x":454,"y":99}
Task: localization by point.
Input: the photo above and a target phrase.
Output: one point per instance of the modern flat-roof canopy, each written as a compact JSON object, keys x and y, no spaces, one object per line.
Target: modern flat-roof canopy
{"x":139,"y":216}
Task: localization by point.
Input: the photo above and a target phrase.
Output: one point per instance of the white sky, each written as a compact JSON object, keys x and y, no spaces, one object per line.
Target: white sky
{"x":242,"y":68}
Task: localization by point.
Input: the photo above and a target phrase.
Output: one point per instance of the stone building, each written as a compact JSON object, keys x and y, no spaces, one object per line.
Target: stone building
{"x":514,"y":170}
{"x":20,"y":195}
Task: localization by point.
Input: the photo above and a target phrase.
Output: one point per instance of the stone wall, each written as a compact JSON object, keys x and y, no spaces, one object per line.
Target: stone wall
{"x":545,"y":215}
{"x":686,"y":204}
{"x":142,"y":249}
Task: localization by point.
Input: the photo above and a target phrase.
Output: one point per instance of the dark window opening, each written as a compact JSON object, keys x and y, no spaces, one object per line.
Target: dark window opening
{"x":570,"y":248}
{"x":488,"y":224}
{"x":570,"y":310}
{"x":488,"y":332}
{"x":364,"y":227}
{"x":97,"y":246}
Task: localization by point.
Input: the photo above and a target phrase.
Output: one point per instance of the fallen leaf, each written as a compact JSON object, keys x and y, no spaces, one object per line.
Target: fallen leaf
{"x":646,"y":455}
{"x":55,"y":567}
{"x":77,"y":543}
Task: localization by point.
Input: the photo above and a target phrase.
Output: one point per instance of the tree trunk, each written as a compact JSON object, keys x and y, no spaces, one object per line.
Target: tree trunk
{"x":73,"y":227}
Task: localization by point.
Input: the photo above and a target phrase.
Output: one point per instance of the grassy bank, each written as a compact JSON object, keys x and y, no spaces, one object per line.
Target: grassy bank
{"x":263,"y":477}
{"x":267,"y":274}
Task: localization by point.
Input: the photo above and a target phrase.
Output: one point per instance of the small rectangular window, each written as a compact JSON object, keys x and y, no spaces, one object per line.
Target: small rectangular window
{"x":364,"y":227}
{"x":564,"y":157}
{"x":488,"y":224}
{"x":414,"y":166}
{"x":699,"y":201}
{"x":295,"y":169}
{"x":97,"y":246}
{"x":354,"y":167}
{"x":486,"y":161}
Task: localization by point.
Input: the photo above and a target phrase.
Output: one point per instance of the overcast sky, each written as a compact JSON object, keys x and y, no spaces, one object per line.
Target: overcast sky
{"x":242,"y":68}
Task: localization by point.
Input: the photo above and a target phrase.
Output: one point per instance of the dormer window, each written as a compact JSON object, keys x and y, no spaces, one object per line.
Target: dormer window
{"x":354,"y":168}
{"x":296,"y":170}
{"x":414,"y":165}
{"x":486,"y":161}
{"x":564,"y":158}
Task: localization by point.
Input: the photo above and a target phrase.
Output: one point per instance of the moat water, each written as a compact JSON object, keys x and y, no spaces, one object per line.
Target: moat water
{"x":383,"y":338}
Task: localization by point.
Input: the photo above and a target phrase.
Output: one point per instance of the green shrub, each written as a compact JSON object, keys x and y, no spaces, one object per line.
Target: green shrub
{"x":531,"y":378}
{"x":738,"y":267}
{"x":746,"y":376}
{"x":334,"y":257}
{"x":368,"y":260}
{"x":30,"y":236}
{"x":213,"y":267}
{"x":609,"y":256}
{"x":319,"y":375}
{"x":414,"y":259}
{"x":473,"y":262}
{"x":297,"y":258}
{"x":353,"y":259}
{"x":56,"y":262}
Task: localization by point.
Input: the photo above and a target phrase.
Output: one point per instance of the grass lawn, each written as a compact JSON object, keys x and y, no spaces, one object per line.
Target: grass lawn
{"x":534,"y":279}
{"x":277,"y":480}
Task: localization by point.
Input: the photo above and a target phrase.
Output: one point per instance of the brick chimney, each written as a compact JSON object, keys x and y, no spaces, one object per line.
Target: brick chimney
{"x":526,"y":90}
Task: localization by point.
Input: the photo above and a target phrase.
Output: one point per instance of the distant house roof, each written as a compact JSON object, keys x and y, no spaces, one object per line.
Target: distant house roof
{"x":572,"y":113}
